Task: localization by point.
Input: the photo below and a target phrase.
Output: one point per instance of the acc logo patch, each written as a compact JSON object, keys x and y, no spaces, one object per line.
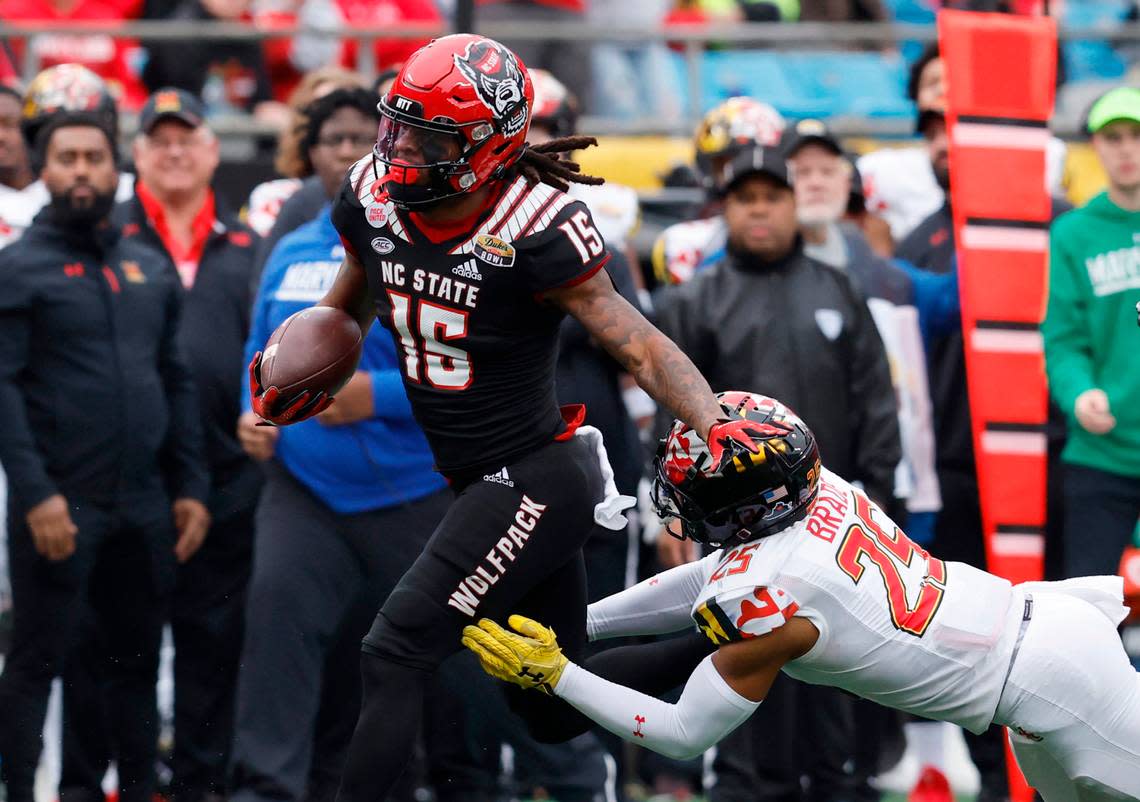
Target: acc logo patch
{"x":376,"y":215}
{"x":383,"y":245}
{"x":494,"y":251}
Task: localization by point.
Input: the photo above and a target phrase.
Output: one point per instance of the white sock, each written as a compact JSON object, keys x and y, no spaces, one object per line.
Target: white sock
{"x":927,"y":740}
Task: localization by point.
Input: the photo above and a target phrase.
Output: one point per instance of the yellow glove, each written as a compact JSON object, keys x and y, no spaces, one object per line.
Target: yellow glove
{"x":531,"y":659}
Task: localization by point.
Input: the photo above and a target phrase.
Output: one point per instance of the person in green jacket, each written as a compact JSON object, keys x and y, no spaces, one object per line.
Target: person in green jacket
{"x":1092,"y":346}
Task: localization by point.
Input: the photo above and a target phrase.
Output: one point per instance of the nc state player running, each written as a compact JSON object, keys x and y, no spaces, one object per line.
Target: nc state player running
{"x":812,"y":578}
{"x":458,"y":237}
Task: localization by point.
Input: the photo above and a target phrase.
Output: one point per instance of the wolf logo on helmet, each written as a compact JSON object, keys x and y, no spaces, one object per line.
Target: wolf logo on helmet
{"x":498,"y":81}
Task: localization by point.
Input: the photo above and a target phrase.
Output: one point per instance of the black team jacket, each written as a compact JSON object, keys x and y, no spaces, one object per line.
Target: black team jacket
{"x":213,"y":330}
{"x":96,"y":399}
{"x":798,"y":330}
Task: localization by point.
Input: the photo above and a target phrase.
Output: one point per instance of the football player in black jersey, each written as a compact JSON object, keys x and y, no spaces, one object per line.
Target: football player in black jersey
{"x":458,"y":237}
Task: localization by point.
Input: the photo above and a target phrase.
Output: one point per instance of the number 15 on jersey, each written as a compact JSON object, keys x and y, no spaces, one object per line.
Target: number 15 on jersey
{"x":426,"y":334}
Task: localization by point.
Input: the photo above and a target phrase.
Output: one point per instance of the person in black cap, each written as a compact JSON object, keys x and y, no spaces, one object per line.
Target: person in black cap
{"x":771,"y":318}
{"x":101,"y":441}
{"x":175,"y":212}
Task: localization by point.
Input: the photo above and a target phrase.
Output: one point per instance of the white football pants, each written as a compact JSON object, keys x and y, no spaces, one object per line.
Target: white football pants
{"x":1072,"y":700}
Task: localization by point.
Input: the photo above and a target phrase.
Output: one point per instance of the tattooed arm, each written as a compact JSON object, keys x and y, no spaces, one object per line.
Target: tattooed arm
{"x":653,"y":359}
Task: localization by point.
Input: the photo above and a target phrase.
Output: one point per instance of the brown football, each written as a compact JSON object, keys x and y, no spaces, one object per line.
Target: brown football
{"x":315,"y":349}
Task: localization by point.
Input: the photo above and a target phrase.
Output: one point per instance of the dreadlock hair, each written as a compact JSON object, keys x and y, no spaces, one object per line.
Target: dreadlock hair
{"x":543,"y":164}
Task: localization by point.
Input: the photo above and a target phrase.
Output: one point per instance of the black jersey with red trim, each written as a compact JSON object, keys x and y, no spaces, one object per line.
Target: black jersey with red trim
{"x":478,"y":341}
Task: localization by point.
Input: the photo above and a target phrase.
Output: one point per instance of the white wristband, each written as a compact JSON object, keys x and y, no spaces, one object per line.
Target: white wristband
{"x":707,"y":711}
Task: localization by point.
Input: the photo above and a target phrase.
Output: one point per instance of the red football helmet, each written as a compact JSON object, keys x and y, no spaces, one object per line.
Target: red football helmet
{"x":455,"y":117}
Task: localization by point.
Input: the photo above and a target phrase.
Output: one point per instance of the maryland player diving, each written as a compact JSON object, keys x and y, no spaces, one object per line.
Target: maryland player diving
{"x":810,"y":577}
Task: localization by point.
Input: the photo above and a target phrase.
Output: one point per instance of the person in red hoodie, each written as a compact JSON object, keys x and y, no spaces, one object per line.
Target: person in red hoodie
{"x":115,"y":60}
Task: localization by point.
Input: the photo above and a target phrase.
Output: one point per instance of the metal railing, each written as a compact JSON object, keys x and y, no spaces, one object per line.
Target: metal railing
{"x":692,"y":39}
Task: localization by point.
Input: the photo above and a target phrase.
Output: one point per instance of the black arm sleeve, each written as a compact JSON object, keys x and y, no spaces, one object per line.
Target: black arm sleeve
{"x":22,"y":460}
{"x":183,"y":452}
{"x":874,"y":421}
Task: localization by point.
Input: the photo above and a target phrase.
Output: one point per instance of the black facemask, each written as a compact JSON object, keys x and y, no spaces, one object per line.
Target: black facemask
{"x":82,"y":216}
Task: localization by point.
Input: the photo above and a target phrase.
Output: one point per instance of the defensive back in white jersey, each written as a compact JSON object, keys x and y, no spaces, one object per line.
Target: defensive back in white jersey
{"x":896,"y":625}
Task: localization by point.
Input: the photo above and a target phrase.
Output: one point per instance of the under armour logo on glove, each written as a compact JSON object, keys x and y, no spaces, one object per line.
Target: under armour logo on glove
{"x":537,"y":677}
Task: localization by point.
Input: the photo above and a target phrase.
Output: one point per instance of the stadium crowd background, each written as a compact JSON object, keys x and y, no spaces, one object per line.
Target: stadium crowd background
{"x":643,"y":74}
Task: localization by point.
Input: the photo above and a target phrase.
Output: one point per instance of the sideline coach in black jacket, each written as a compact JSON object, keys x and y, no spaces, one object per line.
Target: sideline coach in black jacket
{"x":102,"y":444}
{"x":769,"y":319}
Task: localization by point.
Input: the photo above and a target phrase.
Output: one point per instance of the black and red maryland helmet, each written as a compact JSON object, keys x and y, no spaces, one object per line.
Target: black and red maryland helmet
{"x":737,"y":124}
{"x":555,"y":107}
{"x":455,"y":117}
{"x":67,"y":93}
{"x":752,"y":496}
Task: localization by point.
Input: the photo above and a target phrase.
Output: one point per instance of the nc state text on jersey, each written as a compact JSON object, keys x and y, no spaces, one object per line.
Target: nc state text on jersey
{"x":445,"y":287}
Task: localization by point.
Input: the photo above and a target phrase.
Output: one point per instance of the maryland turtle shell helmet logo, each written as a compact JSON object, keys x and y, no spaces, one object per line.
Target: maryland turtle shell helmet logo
{"x":754,"y":495}
{"x":67,"y":91}
{"x":499,"y":82}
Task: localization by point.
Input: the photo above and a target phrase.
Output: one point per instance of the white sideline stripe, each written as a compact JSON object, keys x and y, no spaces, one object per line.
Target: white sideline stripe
{"x":998,"y":238}
{"x":1009,"y":137}
{"x":1014,"y":443}
{"x":1006,"y":341}
{"x":1018,"y":544}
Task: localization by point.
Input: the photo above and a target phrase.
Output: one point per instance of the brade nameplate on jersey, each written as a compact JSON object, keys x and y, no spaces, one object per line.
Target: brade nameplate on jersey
{"x":460,"y":289}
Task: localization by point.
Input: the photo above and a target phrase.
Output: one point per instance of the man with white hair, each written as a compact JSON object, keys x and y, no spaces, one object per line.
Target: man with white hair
{"x":897,"y":300}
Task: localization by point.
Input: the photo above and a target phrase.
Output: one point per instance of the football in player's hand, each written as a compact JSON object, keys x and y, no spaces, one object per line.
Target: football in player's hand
{"x":316,"y":349}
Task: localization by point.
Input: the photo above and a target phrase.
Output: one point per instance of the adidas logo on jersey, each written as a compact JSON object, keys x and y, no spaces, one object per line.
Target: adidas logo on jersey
{"x":501,"y":476}
{"x":468,"y":270}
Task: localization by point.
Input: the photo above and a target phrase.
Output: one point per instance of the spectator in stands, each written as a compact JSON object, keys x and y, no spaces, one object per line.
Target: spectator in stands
{"x":769,"y":317}
{"x":1090,"y":345}
{"x":175,"y":210}
{"x":18,"y":205}
{"x":739,"y":123}
{"x":291,"y":59}
{"x":15,"y":171}
{"x":349,"y":502}
{"x":823,"y":178}
{"x":267,"y":198}
{"x":114,"y":59}
{"x":101,"y":438}
{"x":634,"y":80}
{"x":568,"y":59}
{"x":230,"y":76}
{"x":898,"y":182}
{"x":291,"y":206}
{"x":843,"y":11}
{"x":15,"y":176}
{"x":874,"y":227}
